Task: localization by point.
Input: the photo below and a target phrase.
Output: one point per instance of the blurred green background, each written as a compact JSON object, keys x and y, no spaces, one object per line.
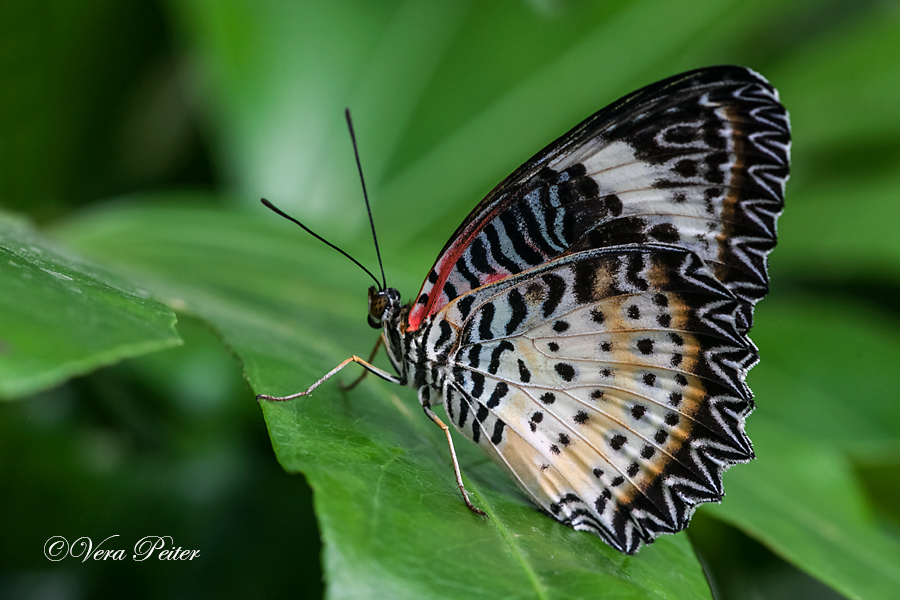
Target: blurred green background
{"x":142,"y":135}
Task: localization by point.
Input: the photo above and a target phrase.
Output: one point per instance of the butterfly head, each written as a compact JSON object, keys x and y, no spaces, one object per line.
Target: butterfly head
{"x":383,"y":305}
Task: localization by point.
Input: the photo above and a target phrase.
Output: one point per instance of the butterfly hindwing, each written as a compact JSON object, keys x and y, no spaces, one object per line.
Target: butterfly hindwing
{"x":698,"y":160}
{"x":610,"y":383}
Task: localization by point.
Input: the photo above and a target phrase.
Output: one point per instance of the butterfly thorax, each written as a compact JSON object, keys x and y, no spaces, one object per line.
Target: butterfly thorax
{"x":418,"y":356}
{"x":388,"y":314}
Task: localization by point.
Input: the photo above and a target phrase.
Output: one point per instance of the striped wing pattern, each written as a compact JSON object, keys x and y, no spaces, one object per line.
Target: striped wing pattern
{"x":587,"y":323}
{"x":698,"y":160}
{"x":609,"y":383}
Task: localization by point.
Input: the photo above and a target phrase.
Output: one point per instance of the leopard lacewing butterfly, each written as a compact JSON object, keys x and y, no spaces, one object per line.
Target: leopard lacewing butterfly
{"x":586,"y":324}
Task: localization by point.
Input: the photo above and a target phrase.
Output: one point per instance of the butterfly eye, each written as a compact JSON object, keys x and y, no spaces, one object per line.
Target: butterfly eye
{"x":381,"y":303}
{"x":377,"y":306}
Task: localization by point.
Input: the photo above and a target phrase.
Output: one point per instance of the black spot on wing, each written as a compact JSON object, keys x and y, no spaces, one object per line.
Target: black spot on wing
{"x":664,"y":232}
{"x":565,"y":370}
{"x":575,"y":171}
{"x":463,"y":412}
{"x":587,"y":187}
{"x":519,"y":310}
{"x":524,"y":373}
{"x":500,"y":390}
{"x":502,"y":347}
{"x":611,"y":206}
{"x":497,"y":436}
{"x":450,"y":290}
{"x":487,"y":319}
{"x":556,"y":289}
{"x":470,"y":277}
{"x":477,"y":384}
{"x":478,"y":254}
{"x":465,"y":306}
{"x":583,"y":286}
{"x":686,"y":168}
{"x":619,"y":231}
{"x":645,"y":346}
{"x":446,"y":332}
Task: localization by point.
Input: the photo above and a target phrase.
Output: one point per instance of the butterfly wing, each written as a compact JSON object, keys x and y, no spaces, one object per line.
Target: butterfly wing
{"x":609,"y":383}
{"x":698,"y":160}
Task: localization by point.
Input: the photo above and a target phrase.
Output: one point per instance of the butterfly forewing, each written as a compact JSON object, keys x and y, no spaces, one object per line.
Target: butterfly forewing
{"x":609,"y":383}
{"x":698,"y":160}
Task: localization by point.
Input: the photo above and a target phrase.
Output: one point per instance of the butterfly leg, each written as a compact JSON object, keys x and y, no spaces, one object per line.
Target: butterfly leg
{"x":365,"y":372}
{"x":459,"y":481}
{"x":383,"y":374}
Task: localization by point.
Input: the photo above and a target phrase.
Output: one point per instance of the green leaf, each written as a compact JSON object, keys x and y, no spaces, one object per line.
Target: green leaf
{"x":61,"y":317}
{"x":801,"y":499}
{"x":389,"y":511}
{"x":822,"y":368}
{"x":843,"y":198}
{"x":842,"y":230}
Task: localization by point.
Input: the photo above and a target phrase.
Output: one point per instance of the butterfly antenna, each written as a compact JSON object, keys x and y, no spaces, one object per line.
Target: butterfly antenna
{"x":277,"y":210}
{"x":365,"y":194}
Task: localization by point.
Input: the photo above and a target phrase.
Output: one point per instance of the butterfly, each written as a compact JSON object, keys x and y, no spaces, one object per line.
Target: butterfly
{"x":586,"y":324}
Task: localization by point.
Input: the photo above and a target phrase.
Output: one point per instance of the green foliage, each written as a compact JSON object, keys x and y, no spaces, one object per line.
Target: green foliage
{"x":448,"y":98}
{"x":61,"y":317}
